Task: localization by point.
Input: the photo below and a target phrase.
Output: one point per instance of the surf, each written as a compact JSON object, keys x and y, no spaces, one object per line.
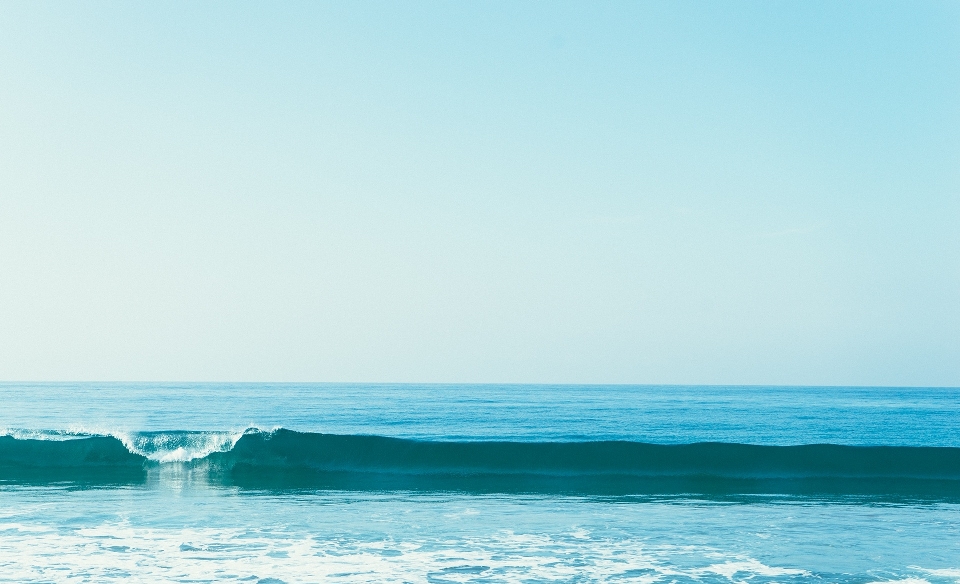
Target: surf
{"x":284,"y":459}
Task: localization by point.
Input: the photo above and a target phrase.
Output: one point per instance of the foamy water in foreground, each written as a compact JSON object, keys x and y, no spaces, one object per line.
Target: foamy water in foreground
{"x":160,"y":506}
{"x":185,"y":533}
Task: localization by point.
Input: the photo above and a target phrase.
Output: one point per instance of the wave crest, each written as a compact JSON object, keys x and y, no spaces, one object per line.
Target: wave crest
{"x":286,"y":459}
{"x":167,"y":447}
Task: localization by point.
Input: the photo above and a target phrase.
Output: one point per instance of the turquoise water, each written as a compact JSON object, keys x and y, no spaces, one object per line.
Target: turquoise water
{"x":401,"y":483}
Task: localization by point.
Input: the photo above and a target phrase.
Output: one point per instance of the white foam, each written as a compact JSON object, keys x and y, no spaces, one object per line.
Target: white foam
{"x":729,"y":569}
{"x":117,"y":551}
{"x":162,"y":447}
{"x":169,"y":447}
{"x":942,"y":573}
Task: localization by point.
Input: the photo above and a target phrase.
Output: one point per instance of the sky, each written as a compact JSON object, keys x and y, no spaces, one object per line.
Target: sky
{"x":596,"y":192}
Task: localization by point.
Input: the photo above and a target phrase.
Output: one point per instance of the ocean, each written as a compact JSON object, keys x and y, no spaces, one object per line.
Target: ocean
{"x":269,"y":483}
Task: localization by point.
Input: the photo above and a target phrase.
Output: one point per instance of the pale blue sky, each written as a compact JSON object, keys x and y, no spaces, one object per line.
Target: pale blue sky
{"x":736,"y":192}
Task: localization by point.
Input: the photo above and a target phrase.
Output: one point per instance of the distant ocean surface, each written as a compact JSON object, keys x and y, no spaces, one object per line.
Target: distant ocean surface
{"x":198,"y":482}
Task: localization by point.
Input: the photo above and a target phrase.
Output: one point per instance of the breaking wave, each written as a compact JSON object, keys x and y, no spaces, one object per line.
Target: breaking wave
{"x":288,"y":459}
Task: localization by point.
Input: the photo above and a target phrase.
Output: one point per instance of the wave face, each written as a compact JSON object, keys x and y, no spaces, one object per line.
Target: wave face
{"x":284,"y":459}
{"x":95,"y":459}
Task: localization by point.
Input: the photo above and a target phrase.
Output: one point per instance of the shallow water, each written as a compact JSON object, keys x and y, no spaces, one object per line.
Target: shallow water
{"x":180,"y":522}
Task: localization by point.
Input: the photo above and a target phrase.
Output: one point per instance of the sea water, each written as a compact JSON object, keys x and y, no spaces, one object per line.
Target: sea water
{"x":477,"y":483}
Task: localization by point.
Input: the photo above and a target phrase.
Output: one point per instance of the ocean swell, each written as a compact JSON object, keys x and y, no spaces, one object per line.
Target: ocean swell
{"x":288,"y":459}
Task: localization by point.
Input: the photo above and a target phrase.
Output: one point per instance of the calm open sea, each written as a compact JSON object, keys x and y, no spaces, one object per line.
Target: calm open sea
{"x":198,"y":482}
